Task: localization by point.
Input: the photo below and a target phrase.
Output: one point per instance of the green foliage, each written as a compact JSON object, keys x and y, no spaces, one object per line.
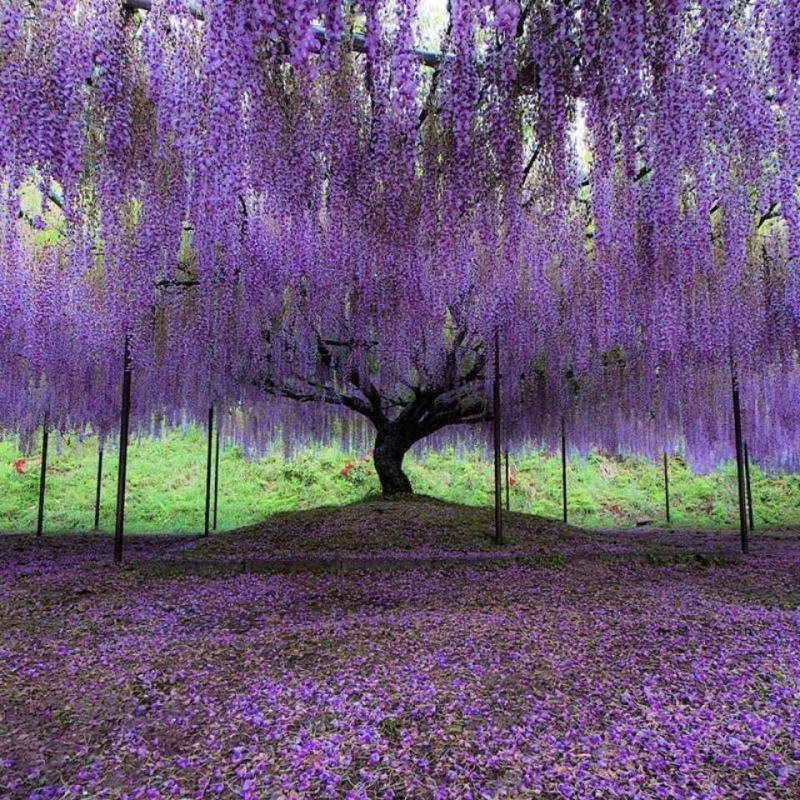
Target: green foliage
{"x":167,"y":484}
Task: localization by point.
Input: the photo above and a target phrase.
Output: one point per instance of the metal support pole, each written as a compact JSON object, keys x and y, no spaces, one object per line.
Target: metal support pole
{"x":216,"y":481}
{"x":666,"y":486}
{"x":508,"y":485}
{"x":124,"y":427}
{"x":749,"y":488}
{"x":208,"y":469}
{"x":737,"y":427}
{"x":97,"y":492}
{"x":42,"y":479}
{"x":564,"y":468}
{"x":498,"y":496}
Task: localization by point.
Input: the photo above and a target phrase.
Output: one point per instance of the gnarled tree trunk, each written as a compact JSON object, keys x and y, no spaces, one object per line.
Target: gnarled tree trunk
{"x":402,"y":419}
{"x":391,"y":446}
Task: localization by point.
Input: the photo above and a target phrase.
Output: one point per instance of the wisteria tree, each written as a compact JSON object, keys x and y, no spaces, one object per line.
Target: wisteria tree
{"x":315,"y":203}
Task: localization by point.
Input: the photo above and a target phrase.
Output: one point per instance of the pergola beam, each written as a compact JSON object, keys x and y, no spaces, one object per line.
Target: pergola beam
{"x":358,"y":44}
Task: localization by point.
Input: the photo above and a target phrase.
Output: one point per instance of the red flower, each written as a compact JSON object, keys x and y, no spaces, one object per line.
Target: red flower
{"x":512,"y":480}
{"x":19,"y":465}
{"x":346,"y":469}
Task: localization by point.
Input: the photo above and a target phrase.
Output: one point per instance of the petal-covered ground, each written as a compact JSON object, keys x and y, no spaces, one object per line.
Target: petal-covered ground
{"x":588,"y":678}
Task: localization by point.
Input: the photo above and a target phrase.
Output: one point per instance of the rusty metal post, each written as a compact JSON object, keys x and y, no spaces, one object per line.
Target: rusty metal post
{"x":750,"y":514}
{"x":97,"y":492}
{"x":122,"y":470}
{"x":209,"y":452}
{"x":564,"y":469}
{"x":498,"y":490}
{"x":737,"y":428}
{"x":216,"y":481}
{"x":42,"y":479}
{"x":508,"y":485}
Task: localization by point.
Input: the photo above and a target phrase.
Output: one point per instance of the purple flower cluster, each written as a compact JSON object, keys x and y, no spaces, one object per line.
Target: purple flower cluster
{"x":266,"y":209}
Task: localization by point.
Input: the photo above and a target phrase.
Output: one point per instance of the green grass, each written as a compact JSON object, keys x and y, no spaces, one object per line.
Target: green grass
{"x":166,"y":485}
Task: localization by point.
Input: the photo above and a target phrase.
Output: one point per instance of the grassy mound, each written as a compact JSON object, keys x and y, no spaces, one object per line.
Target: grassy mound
{"x":414,"y":528}
{"x":415,"y":524}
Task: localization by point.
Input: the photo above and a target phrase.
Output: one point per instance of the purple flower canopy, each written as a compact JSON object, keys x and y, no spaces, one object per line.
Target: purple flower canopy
{"x":280,"y":201}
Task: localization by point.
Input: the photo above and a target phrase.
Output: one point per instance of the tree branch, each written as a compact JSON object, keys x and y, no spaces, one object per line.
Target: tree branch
{"x":326,"y":394}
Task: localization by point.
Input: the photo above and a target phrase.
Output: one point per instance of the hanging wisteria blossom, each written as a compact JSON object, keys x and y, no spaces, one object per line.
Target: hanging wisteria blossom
{"x":295,"y":210}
